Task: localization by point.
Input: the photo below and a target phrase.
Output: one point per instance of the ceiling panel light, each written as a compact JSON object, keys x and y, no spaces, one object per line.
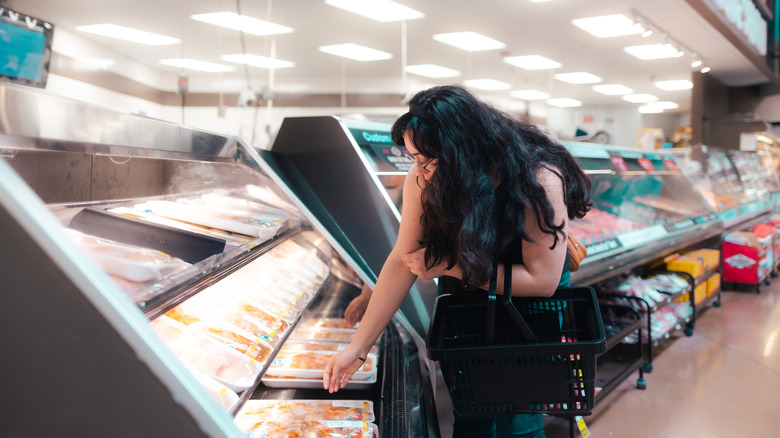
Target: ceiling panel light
{"x":663,"y":105}
{"x":579,"y":77}
{"x":356,"y":52}
{"x":640,"y":98}
{"x":530,"y":94}
{"x":257,"y":61}
{"x":608,"y":26}
{"x":681,"y":84}
{"x":564,"y":102}
{"x":653,"y":51}
{"x":379,"y":10}
{"x":486,"y":84}
{"x":647,"y":109}
{"x":246,"y":24}
{"x":432,"y":71}
{"x":128,"y":34}
{"x":194,"y":64}
{"x":532,"y":62}
{"x":612,"y":89}
{"x":469,"y":41}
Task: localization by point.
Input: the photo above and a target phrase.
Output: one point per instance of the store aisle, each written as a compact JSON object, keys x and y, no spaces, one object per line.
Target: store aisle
{"x":722,"y":382}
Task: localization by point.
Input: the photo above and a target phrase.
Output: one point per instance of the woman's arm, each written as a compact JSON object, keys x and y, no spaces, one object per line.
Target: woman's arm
{"x":392,"y":285}
{"x":541,"y":269}
{"x":357,"y":307}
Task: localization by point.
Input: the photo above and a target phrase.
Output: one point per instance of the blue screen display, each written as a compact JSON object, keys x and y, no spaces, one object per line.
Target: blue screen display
{"x":24,"y":49}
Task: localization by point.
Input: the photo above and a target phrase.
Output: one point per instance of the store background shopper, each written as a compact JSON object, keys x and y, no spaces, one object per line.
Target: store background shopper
{"x":486,"y":187}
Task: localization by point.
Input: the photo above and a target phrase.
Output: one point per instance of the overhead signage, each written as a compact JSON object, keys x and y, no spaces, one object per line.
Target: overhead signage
{"x":619,"y":163}
{"x":381,"y":144}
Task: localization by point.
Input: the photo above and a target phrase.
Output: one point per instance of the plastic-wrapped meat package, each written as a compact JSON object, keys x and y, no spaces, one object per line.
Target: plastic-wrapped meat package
{"x":256,"y":412}
{"x":128,"y":262}
{"x":293,"y":346}
{"x":226,"y":397}
{"x":314,"y":429}
{"x":323,"y":335}
{"x":327,"y":323}
{"x":311,"y":365}
{"x":236,"y":338}
{"x":194,"y":310}
{"x":204,"y":216}
{"x":208,"y":355}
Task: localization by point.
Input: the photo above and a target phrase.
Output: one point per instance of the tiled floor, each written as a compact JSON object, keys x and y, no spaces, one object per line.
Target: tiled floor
{"x":722,"y":382}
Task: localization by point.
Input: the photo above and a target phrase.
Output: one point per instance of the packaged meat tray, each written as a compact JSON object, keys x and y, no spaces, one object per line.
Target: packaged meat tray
{"x":272,"y":381}
{"x":202,"y":216}
{"x":128,"y":262}
{"x":226,"y":205}
{"x":314,"y":429}
{"x":140,"y":212}
{"x":255,"y":411}
{"x":226,"y":397}
{"x":191,"y":312}
{"x":236,"y":338}
{"x":311,"y":365}
{"x":293,"y":346}
{"x":327,"y":323}
{"x":333,"y":335}
{"x":225,"y":365}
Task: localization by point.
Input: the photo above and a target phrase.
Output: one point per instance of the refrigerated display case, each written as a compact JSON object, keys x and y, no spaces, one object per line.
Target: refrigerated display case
{"x":356,"y":172}
{"x":153,"y":273}
{"x":739,"y":197}
{"x":644,"y":208}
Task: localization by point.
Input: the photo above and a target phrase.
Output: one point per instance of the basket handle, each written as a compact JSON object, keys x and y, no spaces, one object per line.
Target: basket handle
{"x":510,"y":307}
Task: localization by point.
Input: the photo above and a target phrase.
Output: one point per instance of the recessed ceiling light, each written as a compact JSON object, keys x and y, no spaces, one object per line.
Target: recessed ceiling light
{"x":469,"y":41}
{"x":646,"y":109}
{"x":579,"y":77}
{"x":231,"y":20}
{"x":532,"y":62}
{"x":530,"y":94}
{"x":432,"y":71}
{"x":663,"y":105}
{"x":257,"y":61}
{"x":356,"y":52}
{"x":564,"y":102}
{"x":486,"y":84}
{"x":640,"y":98}
{"x":194,"y":64}
{"x":128,"y":34}
{"x":681,"y":84}
{"x":653,"y":51}
{"x":608,"y":26}
{"x":612,"y":89}
{"x":379,"y":10}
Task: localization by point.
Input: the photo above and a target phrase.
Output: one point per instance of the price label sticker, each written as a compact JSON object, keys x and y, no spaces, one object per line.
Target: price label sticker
{"x":620,"y":163}
{"x":583,"y":428}
{"x":671,"y":165}
{"x":646,"y":164}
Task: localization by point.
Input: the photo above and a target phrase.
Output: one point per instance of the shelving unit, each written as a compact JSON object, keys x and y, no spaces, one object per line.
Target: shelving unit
{"x":618,"y":362}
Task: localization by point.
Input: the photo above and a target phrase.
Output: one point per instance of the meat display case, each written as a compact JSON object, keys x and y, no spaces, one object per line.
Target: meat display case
{"x":644,"y":207}
{"x":90,"y":356}
{"x":733,"y":183}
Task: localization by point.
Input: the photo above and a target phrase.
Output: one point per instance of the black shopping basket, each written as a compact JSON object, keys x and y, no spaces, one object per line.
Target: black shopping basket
{"x":494,"y":365}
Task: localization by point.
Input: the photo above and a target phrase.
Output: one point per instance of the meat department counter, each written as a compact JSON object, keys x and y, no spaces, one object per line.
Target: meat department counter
{"x":165,"y":281}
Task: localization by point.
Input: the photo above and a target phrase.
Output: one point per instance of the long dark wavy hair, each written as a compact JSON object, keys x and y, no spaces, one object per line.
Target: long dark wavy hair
{"x":474,"y":206}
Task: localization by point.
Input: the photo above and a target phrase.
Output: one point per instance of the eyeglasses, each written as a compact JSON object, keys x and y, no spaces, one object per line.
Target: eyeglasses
{"x":424,"y":167}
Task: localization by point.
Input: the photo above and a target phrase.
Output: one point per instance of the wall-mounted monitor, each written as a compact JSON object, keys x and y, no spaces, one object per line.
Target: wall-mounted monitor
{"x":25,"y":48}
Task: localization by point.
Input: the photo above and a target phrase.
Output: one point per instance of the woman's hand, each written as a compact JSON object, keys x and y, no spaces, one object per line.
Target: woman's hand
{"x":340,"y":369}
{"x":416,"y":263}
{"x":356,"y":309}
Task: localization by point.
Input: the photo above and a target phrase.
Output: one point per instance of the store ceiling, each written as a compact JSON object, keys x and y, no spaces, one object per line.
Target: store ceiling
{"x":526,"y":28}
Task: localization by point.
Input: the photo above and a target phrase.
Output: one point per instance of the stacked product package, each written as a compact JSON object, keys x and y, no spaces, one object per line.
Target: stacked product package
{"x":229,"y":331}
{"x":655,"y":293}
{"x":307,"y":418}
{"x":301,"y":361}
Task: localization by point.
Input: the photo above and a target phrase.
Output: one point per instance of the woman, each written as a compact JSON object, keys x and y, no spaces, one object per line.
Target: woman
{"x":484,"y":187}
